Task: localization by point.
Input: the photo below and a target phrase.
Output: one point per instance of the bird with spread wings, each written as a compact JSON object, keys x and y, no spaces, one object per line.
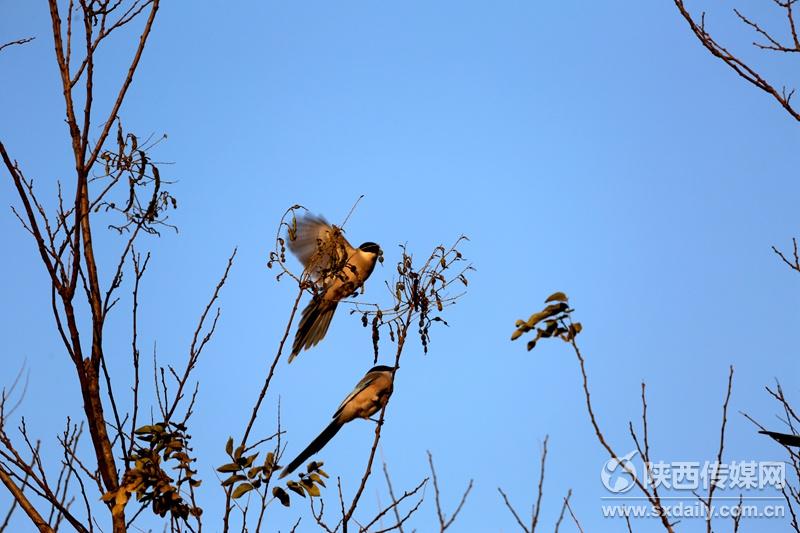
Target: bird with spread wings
{"x":334,"y":266}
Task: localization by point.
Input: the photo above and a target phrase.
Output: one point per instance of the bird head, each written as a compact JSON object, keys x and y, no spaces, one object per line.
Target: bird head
{"x":381,"y":368}
{"x":372,"y":248}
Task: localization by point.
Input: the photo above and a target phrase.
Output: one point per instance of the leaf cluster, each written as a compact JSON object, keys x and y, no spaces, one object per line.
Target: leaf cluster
{"x":245,"y":475}
{"x":145,"y":202}
{"x":160,"y":444}
{"x":308,"y":483}
{"x":552,"y":321}
{"x":420,"y":291}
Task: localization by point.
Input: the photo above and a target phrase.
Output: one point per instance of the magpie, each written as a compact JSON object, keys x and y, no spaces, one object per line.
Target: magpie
{"x":337,"y":269}
{"x":370,"y":396}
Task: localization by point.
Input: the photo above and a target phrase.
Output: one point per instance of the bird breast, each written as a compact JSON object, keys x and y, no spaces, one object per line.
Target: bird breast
{"x":370,"y":400}
{"x":358,"y":268}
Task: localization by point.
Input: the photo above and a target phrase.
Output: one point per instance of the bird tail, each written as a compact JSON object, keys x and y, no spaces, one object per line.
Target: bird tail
{"x":315,"y":446}
{"x":313,"y":326}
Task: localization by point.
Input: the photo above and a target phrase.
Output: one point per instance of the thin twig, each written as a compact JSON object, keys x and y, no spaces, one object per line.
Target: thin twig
{"x":392,"y":496}
{"x":17,"y":42}
{"x":445,"y":522}
{"x":572,"y":514}
{"x":563,"y":510}
{"x":406,"y":495}
{"x":513,"y":511}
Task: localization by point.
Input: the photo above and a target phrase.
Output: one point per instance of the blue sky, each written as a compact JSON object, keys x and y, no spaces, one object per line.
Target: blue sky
{"x":591,"y":148}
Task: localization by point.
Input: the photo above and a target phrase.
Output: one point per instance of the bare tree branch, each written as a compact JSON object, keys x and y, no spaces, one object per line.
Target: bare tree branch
{"x":17,"y":42}
{"x":708,"y":501}
{"x":539,"y":494}
{"x":513,"y":511}
{"x":740,"y":67}
{"x":394,"y":505}
{"x":23,"y":502}
{"x":392,"y":496}
{"x":445,"y":522}
{"x":563,"y":510}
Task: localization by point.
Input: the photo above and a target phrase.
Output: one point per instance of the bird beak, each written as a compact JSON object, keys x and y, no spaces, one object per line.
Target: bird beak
{"x":380,"y":257}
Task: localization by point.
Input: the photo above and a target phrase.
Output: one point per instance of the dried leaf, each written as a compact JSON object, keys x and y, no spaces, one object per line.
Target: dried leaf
{"x":230,"y":467}
{"x":241,"y":490}
{"x":235,"y":478}
{"x":557,"y":297}
{"x":282,"y":496}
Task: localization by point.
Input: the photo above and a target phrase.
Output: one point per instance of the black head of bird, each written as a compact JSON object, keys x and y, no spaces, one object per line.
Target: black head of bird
{"x":372,"y":248}
{"x":381,"y":368}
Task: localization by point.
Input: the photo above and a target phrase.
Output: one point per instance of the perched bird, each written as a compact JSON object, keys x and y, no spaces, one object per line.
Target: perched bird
{"x":369,"y":397}
{"x":337,"y":268}
{"x":783,"y":438}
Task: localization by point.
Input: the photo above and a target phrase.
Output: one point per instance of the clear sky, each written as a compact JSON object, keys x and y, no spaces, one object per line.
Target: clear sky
{"x":593,"y":148}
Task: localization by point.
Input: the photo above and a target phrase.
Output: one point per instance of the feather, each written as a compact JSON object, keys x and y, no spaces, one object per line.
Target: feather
{"x":314,"y":324}
{"x":315,"y":446}
{"x":316,"y":243}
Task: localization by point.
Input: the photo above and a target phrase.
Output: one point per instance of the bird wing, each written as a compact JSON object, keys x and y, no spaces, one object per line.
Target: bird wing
{"x":363,"y":384}
{"x":317,"y":245}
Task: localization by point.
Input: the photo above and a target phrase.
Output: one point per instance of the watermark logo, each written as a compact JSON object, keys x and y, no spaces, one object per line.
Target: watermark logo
{"x":619,"y":475}
{"x":680,"y":481}
{"x":741,"y":475}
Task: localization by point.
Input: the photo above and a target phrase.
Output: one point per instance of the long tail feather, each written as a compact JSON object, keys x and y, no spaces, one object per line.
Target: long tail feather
{"x":314,"y":324}
{"x":315,"y":446}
